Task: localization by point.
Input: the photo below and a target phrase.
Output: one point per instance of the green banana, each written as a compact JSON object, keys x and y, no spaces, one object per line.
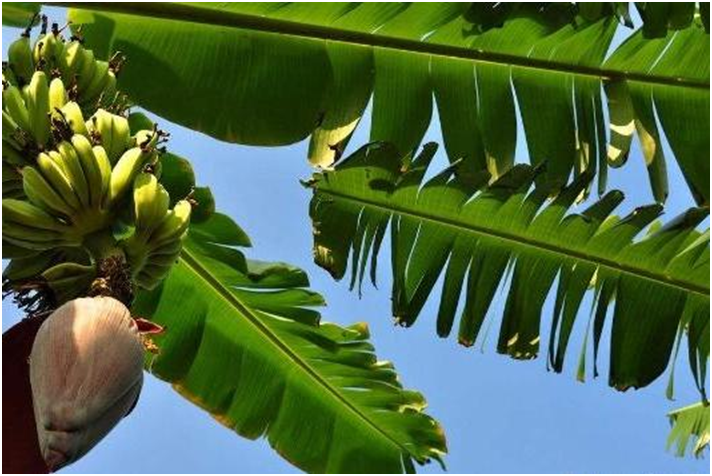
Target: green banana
{"x":205,"y":207}
{"x":90,"y":166}
{"x":57,"y":94}
{"x":73,"y":168}
{"x":177,"y":176}
{"x":140,"y":121}
{"x":125,"y":170}
{"x":11,"y":155}
{"x":71,"y":62}
{"x":112,"y":131}
{"x":38,"y":107}
{"x":174,"y":224}
{"x":13,"y":251}
{"x":7,"y":75}
{"x":55,"y":175}
{"x":29,"y":266}
{"x":97,"y":83}
{"x":121,"y":139}
{"x":53,"y":49}
{"x":109,"y":92}
{"x":146,"y":138}
{"x":69,"y":280}
{"x":31,"y":238}
{"x":73,"y":115}
{"x":19,"y":55}
{"x":104,"y":165}
{"x":11,"y":182}
{"x":150,"y":203}
{"x":14,"y":104}
{"x":23,"y":212}
{"x":41,"y":193}
{"x":86,"y":70}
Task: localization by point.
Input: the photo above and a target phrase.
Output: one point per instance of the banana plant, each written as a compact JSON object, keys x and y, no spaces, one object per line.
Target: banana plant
{"x":481,"y":62}
{"x":116,"y":258}
{"x":288,"y":71}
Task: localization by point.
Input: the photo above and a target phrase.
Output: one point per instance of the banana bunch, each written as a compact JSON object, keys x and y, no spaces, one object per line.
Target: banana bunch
{"x":157,"y":240}
{"x":94,"y":80}
{"x":78,"y":176}
{"x":28,"y":227}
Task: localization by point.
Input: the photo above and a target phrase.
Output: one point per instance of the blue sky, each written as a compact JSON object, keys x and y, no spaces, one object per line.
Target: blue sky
{"x":500,"y":415}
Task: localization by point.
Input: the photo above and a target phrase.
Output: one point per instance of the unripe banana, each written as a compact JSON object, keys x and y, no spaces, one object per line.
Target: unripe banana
{"x":73,"y":168}
{"x":90,"y":166}
{"x":69,"y":280}
{"x":37,"y":50}
{"x":87,"y":69}
{"x":121,"y":139}
{"x":14,"y":104}
{"x":104,"y":165}
{"x":150,"y":203}
{"x":113,"y":132}
{"x":174,"y":224}
{"x":28,"y":267}
{"x":55,"y":175}
{"x":86,"y":372}
{"x":73,"y":115}
{"x":139,"y":121}
{"x":109,"y":93}
{"x":57,"y":94}
{"x":70,"y":63}
{"x":97,"y":83}
{"x":12,"y":156}
{"x":145,"y":138}
{"x":126,"y":169}
{"x":19,"y":55}
{"x":52,"y":50}
{"x":38,"y":107}
{"x":8,"y":76}
{"x":41,"y":193}
{"x":31,"y":238}
{"x":22,"y":212}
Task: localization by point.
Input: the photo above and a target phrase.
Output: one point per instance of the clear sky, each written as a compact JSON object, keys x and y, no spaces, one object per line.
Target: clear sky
{"x":500,"y":415}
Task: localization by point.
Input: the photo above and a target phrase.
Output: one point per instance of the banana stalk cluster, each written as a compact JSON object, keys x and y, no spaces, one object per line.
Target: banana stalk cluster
{"x":74,"y":173}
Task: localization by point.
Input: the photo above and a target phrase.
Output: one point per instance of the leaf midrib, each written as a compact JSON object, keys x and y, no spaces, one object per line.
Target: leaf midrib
{"x":422,"y":215}
{"x":209,"y":16}
{"x":194,"y":265}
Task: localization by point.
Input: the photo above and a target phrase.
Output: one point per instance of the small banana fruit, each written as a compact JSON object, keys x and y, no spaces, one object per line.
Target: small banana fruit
{"x":98,"y":81}
{"x":14,"y":104}
{"x":73,"y":168}
{"x":91,"y":169}
{"x":41,"y":193}
{"x":37,"y":101}
{"x":53,"y":172}
{"x":128,"y":166}
{"x":112,"y":131}
{"x":57,"y":95}
{"x":72,"y":113}
{"x":151,"y":202}
{"x":19,"y":56}
{"x":69,"y":280}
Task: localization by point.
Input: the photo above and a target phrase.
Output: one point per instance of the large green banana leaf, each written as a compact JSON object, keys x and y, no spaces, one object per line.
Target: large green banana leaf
{"x":243,"y":342}
{"x":510,"y":234}
{"x":273,"y":73}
